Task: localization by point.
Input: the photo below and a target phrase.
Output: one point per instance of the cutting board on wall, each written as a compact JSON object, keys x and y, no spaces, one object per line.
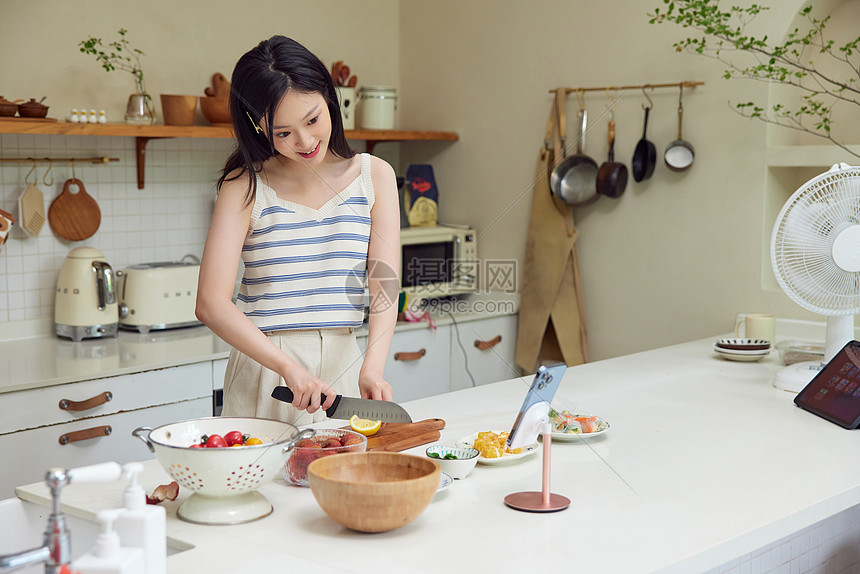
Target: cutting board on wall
{"x":395,"y":437}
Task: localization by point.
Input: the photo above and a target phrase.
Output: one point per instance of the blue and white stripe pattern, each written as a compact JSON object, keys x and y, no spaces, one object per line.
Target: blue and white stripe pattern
{"x":305,"y":268}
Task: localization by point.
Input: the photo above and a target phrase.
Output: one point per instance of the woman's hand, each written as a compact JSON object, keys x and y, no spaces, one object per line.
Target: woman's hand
{"x":373,"y":386}
{"x":306,"y":390}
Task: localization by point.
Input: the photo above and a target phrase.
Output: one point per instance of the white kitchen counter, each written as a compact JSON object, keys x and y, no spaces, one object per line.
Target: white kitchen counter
{"x":705,"y":461}
{"x":45,"y":360}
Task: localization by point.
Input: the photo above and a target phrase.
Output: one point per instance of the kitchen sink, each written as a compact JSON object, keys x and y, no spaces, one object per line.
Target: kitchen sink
{"x":23,"y":524}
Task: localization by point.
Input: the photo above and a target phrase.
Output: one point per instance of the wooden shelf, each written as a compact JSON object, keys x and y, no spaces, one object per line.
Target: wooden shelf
{"x":143,"y":134}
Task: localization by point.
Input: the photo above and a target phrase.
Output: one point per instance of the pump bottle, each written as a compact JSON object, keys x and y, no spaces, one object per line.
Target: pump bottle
{"x":107,"y":556}
{"x":143,"y":525}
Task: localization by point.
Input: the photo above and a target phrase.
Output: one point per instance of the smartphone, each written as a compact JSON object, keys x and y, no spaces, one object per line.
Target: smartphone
{"x":834,"y":393}
{"x":542,"y":390}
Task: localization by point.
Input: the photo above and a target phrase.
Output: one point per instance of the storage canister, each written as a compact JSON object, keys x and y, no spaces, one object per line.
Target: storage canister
{"x":376,"y":107}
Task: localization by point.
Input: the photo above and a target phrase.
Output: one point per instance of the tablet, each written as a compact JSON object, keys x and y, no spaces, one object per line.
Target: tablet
{"x":834,"y":393}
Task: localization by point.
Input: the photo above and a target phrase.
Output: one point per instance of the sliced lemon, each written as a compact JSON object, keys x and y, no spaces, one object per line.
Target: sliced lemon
{"x":364,"y":426}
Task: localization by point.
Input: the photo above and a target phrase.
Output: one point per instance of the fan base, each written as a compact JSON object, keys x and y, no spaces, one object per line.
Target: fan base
{"x":794,"y":378}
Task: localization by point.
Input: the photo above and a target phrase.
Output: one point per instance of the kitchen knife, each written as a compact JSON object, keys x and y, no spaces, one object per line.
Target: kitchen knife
{"x":346,"y":407}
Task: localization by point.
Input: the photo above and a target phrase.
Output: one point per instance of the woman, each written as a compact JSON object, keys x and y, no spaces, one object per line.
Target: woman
{"x":310,"y":220}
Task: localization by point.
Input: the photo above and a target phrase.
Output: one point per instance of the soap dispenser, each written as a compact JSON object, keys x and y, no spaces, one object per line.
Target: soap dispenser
{"x":107,"y":556}
{"x":143,"y":525}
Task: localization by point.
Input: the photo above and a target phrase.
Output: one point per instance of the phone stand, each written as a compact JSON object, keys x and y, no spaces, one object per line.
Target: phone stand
{"x":535,"y":421}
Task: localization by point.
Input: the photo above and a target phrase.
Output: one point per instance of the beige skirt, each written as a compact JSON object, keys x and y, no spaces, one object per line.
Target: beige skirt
{"x":332,"y":355}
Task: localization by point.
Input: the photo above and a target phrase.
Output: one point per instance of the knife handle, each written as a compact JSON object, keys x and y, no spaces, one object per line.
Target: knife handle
{"x":286,"y":395}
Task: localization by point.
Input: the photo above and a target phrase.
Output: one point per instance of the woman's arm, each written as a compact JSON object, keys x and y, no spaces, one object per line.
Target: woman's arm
{"x":218,"y":270}
{"x":383,"y":265}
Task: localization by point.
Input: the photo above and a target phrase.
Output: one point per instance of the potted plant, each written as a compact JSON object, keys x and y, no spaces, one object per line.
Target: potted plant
{"x":725,"y":36}
{"x":120,"y":55}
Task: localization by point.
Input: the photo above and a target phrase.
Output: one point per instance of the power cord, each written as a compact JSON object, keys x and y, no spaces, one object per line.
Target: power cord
{"x":460,"y":343}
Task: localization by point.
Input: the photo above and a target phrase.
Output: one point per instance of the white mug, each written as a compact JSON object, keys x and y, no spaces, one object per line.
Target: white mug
{"x":756,"y":326}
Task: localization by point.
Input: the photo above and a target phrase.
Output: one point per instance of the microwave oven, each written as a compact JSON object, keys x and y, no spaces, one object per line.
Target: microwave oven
{"x":438,"y":261}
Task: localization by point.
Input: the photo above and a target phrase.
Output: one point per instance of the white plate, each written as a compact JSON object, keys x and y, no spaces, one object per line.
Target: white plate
{"x":743,"y":344}
{"x":741,"y":358}
{"x":445,"y":480}
{"x":571,"y":436}
{"x":469,"y":442}
{"x":723,"y":351}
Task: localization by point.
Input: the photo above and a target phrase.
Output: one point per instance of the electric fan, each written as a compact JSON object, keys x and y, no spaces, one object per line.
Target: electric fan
{"x":815,"y":252}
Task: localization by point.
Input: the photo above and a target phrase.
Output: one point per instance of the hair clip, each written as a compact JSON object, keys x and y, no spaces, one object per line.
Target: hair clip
{"x":257,"y":128}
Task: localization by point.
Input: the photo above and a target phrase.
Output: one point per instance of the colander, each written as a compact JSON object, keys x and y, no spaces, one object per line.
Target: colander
{"x":224,"y":481}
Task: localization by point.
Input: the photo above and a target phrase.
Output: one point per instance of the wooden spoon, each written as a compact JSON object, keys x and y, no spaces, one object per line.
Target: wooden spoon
{"x":74,"y":216}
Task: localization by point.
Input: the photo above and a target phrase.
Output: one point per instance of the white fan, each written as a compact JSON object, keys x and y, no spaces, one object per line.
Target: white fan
{"x":815,"y":252}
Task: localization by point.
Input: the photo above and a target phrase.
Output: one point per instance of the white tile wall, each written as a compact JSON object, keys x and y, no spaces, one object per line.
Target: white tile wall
{"x":165,"y":221}
{"x":831,"y":546}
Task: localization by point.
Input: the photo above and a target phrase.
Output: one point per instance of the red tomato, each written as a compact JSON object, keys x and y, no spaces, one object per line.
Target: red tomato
{"x":196,"y":446}
{"x":215,"y":441}
{"x":234,"y":438}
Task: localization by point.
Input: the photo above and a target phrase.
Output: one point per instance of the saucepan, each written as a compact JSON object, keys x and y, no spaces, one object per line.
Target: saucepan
{"x":574,"y":179}
{"x":612,"y":176}
{"x":679,"y":154}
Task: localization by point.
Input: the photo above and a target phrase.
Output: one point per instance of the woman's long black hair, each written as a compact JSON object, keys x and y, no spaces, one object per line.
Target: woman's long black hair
{"x":260,"y":79}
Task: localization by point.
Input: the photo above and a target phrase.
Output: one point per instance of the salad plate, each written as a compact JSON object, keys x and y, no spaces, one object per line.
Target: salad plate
{"x":469,"y":442}
{"x":564,"y":425}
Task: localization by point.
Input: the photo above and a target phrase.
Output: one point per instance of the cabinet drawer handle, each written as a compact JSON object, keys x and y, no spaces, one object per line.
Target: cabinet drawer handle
{"x":485,"y":345}
{"x":90,"y":403}
{"x":411,"y":356}
{"x":85,"y":434}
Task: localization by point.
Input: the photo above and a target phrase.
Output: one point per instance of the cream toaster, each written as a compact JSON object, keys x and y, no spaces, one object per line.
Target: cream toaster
{"x":157,"y":295}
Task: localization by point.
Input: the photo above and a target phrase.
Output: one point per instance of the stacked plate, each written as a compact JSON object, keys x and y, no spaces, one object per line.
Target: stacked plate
{"x":742,"y":349}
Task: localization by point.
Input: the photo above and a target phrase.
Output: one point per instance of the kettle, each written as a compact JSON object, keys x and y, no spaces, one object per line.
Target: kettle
{"x":85,"y":305}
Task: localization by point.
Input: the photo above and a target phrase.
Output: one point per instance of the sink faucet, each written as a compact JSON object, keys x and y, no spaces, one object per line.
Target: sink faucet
{"x":56,"y":549}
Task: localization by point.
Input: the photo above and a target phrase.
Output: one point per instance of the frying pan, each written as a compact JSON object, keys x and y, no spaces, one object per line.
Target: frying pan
{"x":574,"y":179}
{"x":612,"y":176}
{"x":679,"y":154}
{"x":645,"y":154}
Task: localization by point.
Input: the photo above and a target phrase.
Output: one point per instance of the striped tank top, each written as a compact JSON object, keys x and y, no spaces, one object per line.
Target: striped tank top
{"x":304,"y":267}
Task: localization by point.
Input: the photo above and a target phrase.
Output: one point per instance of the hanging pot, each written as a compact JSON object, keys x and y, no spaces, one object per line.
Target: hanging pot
{"x":612,"y":176}
{"x":679,"y":154}
{"x":645,"y":155}
{"x":574,"y":179}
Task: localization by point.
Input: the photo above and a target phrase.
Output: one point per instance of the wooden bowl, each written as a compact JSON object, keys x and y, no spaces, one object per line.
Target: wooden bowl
{"x":374,"y":491}
{"x":216,"y":110}
{"x":8,"y":109}
{"x":178,"y":110}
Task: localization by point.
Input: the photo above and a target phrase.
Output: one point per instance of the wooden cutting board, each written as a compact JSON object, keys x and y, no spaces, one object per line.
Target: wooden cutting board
{"x":395,"y":437}
{"x":74,"y":216}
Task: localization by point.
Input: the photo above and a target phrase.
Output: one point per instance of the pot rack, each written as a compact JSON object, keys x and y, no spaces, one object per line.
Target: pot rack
{"x":92,"y":160}
{"x":608,"y":89}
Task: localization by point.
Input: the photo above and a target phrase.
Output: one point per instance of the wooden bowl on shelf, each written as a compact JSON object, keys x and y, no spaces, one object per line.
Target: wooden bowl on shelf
{"x":373,"y":491}
{"x":216,"y":110}
{"x":178,"y":110}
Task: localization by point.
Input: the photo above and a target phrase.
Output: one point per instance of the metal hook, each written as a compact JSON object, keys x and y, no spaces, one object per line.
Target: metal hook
{"x":580,"y":98}
{"x":647,"y":97}
{"x":73,"y":170}
{"x":48,"y":171}
{"x":29,"y":173}
{"x":680,"y":96}
{"x":610,"y":107}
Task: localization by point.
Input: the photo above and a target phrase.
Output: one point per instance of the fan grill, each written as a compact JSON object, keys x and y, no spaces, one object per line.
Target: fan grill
{"x":802,"y":243}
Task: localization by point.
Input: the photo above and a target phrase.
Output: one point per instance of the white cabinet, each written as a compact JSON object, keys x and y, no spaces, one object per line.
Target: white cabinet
{"x":487,"y":352}
{"x":77,"y":424}
{"x":418,"y":363}
{"x":424,"y":362}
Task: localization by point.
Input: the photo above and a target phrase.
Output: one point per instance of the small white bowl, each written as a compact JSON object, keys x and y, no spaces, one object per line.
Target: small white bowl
{"x":459,"y":467}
